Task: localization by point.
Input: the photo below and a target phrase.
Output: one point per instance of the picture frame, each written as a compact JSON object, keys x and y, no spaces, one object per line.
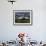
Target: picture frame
{"x":22,"y":17}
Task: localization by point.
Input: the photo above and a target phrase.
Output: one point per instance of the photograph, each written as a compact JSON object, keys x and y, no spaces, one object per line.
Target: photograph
{"x":22,"y":16}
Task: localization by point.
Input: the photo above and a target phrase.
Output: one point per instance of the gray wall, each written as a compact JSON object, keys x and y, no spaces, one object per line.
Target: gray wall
{"x":38,"y":30}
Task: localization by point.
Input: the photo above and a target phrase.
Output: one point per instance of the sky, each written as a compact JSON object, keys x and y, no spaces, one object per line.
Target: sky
{"x":19,"y":14}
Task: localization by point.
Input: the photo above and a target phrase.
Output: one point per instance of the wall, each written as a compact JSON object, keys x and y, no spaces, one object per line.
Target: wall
{"x":37,"y":31}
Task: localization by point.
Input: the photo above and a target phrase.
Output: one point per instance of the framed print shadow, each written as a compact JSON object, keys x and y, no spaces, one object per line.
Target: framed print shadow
{"x":22,"y":17}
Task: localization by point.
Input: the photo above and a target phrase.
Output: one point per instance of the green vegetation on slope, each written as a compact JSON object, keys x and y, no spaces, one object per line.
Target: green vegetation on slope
{"x":22,"y":21}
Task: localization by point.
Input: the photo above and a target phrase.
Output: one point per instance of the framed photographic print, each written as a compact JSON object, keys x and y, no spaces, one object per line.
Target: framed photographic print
{"x":22,"y":17}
